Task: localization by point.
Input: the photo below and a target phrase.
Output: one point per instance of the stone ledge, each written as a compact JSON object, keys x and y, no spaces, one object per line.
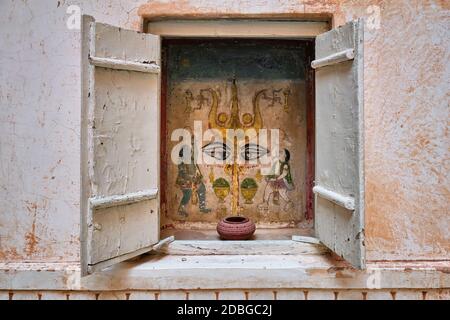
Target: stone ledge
{"x":243,"y":294}
{"x":155,"y":272}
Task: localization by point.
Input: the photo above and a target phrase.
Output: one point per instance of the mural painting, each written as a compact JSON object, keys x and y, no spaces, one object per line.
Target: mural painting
{"x":252,"y":87}
{"x":190,"y":181}
{"x":279,"y":185}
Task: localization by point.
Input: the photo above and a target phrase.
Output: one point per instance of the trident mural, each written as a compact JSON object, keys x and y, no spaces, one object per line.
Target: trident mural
{"x":249,"y":174}
{"x":223,"y":121}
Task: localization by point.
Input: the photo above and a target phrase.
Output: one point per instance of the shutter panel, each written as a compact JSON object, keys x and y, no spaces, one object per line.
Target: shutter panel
{"x":339,"y":180}
{"x":120,"y":144}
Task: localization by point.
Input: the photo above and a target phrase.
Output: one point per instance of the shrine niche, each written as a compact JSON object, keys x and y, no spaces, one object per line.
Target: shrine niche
{"x":254,"y":86}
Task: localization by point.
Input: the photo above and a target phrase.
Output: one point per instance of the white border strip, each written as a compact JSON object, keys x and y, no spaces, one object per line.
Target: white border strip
{"x":238,"y":28}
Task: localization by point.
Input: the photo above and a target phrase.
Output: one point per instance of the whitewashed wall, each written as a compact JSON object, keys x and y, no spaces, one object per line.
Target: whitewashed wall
{"x":40,"y":125}
{"x":406,"y":119}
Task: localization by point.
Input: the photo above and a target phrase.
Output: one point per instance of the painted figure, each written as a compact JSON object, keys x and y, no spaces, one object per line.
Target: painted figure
{"x":279,"y":184}
{"x":190,"y":181}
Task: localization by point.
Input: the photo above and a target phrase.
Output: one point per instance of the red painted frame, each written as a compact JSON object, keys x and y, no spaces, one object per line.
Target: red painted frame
{"x":310,"y":130}
{"x":163,"y":131}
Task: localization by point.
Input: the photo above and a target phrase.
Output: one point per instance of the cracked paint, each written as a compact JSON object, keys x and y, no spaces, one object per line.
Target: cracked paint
{"x":30,"y":237}
{"x":406,"y":113}
{"x":406,"y":118}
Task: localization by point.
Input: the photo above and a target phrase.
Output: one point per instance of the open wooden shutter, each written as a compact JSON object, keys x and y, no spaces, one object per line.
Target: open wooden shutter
{"x":120,"y":144}
{"x":339,"y":180}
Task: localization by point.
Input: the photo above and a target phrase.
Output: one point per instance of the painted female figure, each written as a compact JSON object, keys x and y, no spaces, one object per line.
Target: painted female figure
{"x":279,"y":184}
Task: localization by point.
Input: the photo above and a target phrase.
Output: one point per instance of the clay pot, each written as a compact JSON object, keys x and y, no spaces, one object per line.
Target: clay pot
{"x":236,"y":228}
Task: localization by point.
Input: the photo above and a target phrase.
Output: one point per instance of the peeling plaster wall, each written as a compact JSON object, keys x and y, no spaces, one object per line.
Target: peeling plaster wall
{"x":40,"y":125}
{"x":407,"y":142}
{"x":406,"y":114}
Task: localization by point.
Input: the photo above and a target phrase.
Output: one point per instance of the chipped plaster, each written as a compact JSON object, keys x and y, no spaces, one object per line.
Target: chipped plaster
{"x":406,"y":119}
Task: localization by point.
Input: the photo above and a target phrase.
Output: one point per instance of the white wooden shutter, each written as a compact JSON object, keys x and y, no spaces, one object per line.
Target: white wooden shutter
{"x":120,"y":144}
{"x":339,"y":181}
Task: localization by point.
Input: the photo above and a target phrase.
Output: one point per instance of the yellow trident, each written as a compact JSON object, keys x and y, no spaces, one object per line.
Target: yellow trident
{"x":223,"y":121}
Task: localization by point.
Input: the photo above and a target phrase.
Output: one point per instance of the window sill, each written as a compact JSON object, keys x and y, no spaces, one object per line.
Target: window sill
{"x":249,"y":247}
{"x":189,"y":272}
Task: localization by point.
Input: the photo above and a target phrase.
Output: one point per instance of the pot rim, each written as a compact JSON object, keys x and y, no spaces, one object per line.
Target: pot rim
{"x":239,"y":218}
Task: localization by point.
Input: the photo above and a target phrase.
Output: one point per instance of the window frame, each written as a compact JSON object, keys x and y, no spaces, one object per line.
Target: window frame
{"x":248,"y":247}
{"x":233,"y":28}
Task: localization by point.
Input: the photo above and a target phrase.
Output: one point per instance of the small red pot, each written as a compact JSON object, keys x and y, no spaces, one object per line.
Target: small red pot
{"x":236,"y":228}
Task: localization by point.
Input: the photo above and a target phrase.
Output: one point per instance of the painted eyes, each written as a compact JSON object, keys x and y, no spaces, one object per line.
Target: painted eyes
{"x":252,"y":151}
{"x":217,"y":150}
{"x":221,"y":151}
